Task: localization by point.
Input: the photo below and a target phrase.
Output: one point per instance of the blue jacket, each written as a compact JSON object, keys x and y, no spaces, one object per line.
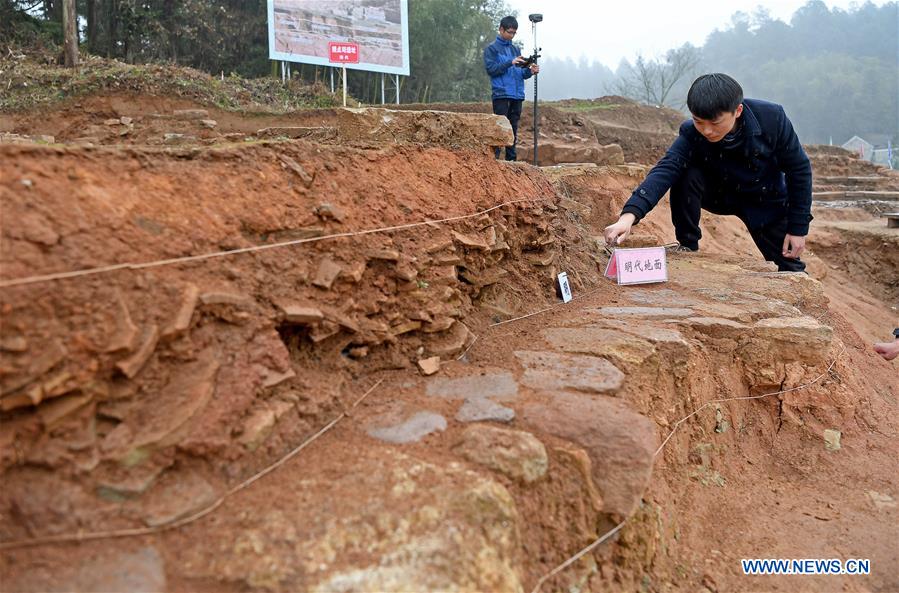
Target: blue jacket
{"x":768,"y":178}
{"x":507,"y":80}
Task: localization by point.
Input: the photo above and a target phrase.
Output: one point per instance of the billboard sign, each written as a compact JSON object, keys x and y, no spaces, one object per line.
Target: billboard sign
{"x":304,"y":31}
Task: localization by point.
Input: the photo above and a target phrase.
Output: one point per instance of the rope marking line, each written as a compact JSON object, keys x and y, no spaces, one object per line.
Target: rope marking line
{"x":190,"y":258}
{"x":175,"y":524}
{"x":553,"y":306}
{"x":80,"y":537}
{"x":571,"y":560}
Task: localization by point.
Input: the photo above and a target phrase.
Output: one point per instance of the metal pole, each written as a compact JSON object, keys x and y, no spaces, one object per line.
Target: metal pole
{"x":397,"y":89}
{"x":383,"y":90}
{"x":534,"y":31}
{"x":332,"y":79}
{"x":344,"y":86}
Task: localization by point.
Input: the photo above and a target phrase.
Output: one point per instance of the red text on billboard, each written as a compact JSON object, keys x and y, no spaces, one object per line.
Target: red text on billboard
{"x":343,"y":52}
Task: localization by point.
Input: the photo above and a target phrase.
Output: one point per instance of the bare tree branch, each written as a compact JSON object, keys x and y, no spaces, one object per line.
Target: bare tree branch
{"x":652,"y":81}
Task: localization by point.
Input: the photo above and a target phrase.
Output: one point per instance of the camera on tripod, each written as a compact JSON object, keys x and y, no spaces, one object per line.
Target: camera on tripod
{"x":531,"y":59}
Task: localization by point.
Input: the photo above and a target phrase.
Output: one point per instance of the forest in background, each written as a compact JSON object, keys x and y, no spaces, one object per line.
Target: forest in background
{"x":835,"y":71}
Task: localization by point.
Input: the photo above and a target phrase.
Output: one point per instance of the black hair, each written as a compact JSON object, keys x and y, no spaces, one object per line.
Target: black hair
{"x":509,"y":22}
{"x":711,"y":95}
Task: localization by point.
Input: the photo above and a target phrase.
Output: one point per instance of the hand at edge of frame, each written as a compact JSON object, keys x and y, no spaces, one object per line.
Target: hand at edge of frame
{"x":793,"y":246}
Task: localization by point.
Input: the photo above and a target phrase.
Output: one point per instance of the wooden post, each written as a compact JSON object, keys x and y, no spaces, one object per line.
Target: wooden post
{"x":70,"y":28}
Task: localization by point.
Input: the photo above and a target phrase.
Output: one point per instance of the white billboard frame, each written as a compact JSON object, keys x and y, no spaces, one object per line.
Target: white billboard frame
{"x":362,"y":65}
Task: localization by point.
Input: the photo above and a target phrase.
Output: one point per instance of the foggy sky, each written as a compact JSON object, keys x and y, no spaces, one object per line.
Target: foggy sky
{"x":609,"y":31}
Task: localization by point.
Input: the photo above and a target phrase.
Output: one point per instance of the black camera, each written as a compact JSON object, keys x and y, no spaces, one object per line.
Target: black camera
{"x":535,"y":18}
{"x":531,"y":59}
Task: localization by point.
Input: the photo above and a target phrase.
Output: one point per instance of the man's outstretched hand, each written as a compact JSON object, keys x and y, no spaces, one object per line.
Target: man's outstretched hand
{"x":794,"y":245}
{"x":616,"y":234}
{"x":888,"y":350}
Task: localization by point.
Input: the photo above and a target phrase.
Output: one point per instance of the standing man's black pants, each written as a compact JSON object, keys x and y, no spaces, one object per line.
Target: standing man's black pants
{"x":689,"y":197}
{"x":511,"y":109}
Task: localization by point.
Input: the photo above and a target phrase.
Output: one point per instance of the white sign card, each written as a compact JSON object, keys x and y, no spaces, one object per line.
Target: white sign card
{"x":564,"y":287}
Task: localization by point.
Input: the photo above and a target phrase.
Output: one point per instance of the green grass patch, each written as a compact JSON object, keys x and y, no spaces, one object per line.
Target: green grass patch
{"x":576,"y":105}
{"x":26,"y":84}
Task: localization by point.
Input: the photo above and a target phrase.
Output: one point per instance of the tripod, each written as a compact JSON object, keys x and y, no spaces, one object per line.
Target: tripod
{"x":535,"y":18}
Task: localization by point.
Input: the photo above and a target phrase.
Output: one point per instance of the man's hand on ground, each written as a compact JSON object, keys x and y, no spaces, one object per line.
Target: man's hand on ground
{"x":794,"y":245}
{"x":616,"y":234}
{"x":888,"y":350}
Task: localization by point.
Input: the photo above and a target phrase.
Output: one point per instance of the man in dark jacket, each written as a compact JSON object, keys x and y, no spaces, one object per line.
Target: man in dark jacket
{"x":504,"y":64}
{"x":737,"y":156}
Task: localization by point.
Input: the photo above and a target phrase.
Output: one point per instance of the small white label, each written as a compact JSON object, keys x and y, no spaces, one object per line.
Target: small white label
{"x":564,"y":287}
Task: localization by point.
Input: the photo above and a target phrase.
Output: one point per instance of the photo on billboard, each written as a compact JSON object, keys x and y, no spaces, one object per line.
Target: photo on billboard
{"x":301,"y":31}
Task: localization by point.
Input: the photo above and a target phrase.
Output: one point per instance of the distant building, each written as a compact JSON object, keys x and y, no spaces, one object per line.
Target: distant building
{"x":860,"y":146}
{"x":879,"y":151}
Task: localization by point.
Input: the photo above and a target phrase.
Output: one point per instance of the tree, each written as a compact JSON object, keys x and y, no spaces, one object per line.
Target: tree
{"x":446,"y":44}
{"x":652,"y":81}
{"x":834,"y":71}
{"x":567,"y":79}
{"x":70,"y":29}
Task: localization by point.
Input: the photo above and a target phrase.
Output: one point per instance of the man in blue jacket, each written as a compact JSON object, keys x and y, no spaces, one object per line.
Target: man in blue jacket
{"x":504,"y":64}
{"x":737,"y":156}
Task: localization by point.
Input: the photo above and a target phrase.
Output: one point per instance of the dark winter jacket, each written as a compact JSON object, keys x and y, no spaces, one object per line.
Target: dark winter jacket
{"x":507,"y":80}
{"x":769,"y":177}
